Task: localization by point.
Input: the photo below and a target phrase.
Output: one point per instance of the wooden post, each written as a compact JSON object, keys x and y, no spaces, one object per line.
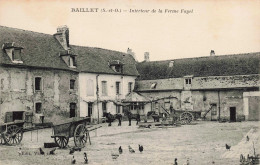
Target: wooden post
{"x":218,"y":105}
{"x":97,"y":93}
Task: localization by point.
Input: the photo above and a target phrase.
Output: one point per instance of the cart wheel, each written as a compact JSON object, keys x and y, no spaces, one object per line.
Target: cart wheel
{"x":80,"y":137}
{"x":186,"y":118}
{"x":13,"y":135}
{"x":61,"y":141}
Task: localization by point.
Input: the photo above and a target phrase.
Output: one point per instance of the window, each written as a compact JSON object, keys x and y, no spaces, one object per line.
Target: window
{"x":133,"y":106}
{"x":90,"y":107}
{"x":90,"y":88}
{"x":188,"y":81}
{"x":72,"y":109}
{"x":72,"y":62}
{"x":141,"y":106}
{"x":16,"y":55}
{"x":117,"y":68}
{"x":38,"y":107}
{"x":104,"y":107}
{"x":38,"y":83}
{"x":104,"y":88}
{"x":72,"y":84}
{"x":118,"y":88}
{"x":130,"y":87}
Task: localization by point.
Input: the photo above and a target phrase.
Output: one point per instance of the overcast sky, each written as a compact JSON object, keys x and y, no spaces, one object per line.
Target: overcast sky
{"x":228,"y":27}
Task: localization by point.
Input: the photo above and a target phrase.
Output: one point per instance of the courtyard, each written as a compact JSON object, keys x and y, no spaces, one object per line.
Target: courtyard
{"x":202,"y":142}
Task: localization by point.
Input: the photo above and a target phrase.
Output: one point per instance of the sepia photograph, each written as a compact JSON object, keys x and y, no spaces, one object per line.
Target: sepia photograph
{"x":107,"y":82}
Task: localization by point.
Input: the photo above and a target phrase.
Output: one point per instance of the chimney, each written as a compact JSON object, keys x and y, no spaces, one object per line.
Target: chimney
{"x":129,"y":51}
{"x":171,"y":64}
{"x":146,"y":57}
{"x":212,"y":53}
{"x":62,"y":36}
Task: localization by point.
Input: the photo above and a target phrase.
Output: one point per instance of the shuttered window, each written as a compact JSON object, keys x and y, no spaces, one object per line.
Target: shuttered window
{"x":130,"y":87}
{"x":118,"y":88}
{"x":104,"y":88}
{"x":90,"y":88}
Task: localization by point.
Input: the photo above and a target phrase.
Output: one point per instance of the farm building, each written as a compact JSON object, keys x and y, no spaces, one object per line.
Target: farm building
{"x":34,"y":77}
{"x":222,"y":87}
{"x":45,"y":75}
{"x":105,"y":78}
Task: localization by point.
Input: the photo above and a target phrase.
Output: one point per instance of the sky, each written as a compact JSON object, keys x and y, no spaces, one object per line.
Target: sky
{"x":227,"y":27}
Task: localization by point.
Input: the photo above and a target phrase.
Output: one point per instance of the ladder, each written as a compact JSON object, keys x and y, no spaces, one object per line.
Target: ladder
{"x":205,"y":114}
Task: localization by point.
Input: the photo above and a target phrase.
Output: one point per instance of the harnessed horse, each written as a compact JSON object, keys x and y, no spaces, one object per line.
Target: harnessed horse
{"x":131,"y":116}
{"x":111,"y":118}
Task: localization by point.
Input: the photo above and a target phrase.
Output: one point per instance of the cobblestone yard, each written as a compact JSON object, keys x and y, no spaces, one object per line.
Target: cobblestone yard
{"x":202,"y":143}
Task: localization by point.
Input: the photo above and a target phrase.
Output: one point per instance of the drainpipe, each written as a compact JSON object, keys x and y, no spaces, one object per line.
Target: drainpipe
{"x":97,"y":93}
{"x":218,"y":105}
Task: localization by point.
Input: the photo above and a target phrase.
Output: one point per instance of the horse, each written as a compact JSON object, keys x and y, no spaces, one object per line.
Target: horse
{"x":131,"y":116}
{"x":155,"y":116}
{"x":111,"y":118}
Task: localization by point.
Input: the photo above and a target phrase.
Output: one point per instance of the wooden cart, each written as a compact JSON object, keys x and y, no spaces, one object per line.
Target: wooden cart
{"x":14,"y":125}
{"x":73,"y":127}
{"x":11,"y":133}
{"x":183,"y":116}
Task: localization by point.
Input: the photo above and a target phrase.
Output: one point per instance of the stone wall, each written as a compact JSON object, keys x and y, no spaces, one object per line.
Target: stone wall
{"x":18,"y":91}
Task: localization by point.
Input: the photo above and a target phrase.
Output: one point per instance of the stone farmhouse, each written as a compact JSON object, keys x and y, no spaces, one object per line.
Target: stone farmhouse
{"x":44,"y":75}
{"x":216,"y":87}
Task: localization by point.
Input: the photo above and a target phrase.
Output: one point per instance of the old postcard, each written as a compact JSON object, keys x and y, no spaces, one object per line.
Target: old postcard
{"x":129,"y":82}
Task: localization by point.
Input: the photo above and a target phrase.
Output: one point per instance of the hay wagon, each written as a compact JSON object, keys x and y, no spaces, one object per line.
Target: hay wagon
{"x":182,"y":116}
{"x":73,"y":127}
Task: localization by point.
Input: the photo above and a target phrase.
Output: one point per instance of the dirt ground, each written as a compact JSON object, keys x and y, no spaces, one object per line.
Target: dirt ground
{"x":202,"y":143}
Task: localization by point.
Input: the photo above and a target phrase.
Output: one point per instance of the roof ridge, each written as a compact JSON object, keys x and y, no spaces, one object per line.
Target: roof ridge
{"x":251,"y":53}
{"x":98,"y":48}
{"x":25,"y":30}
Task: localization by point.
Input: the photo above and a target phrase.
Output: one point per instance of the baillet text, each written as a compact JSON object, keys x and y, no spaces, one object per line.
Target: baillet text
{"x":92,"y":10}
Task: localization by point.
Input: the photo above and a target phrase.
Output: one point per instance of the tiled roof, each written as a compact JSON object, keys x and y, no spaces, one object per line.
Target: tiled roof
{"x":43,"y":50}
{"x":135,"y":97}
{"x":98,"y":60}
{"x":40,"y":50}
{"x":224,"y":65}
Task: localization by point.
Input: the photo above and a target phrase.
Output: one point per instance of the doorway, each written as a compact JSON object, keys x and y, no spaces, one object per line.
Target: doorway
{"x":214,"y":113}
{"x":90,"y":108}
{"x":232,"y":114}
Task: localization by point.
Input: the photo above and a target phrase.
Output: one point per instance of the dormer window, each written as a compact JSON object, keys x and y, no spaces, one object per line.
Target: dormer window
{"x":117,"y":66}
{"x":72,"y":61}
{"x":69,"y":58}
{"x":14,"y":52}
{"x":188,"y":82}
